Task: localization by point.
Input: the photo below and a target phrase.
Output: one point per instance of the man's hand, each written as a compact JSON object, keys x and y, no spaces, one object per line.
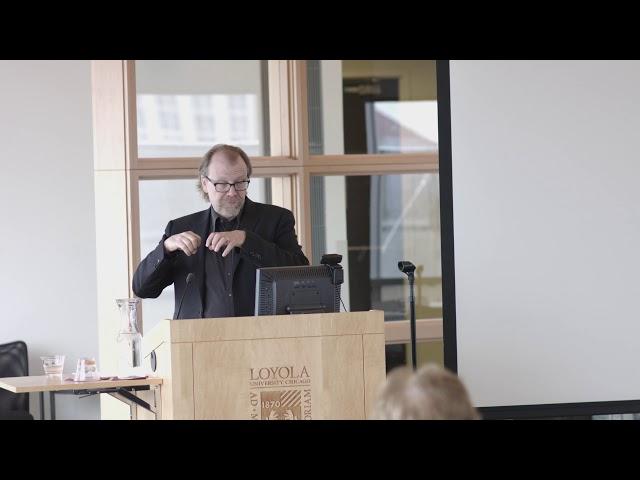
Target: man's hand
{"x":215,"y":241}
{"x":188,"y":242}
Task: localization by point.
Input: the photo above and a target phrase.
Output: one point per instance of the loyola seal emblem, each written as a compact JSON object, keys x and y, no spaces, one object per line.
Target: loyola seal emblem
{"x":280,"y":393}
{"x":281,"y":405}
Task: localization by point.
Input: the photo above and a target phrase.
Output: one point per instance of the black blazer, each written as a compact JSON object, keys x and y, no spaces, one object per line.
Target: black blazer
{"x":271,"y":242}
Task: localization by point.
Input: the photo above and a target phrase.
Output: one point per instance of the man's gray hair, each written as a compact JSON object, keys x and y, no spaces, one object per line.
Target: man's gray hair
{"x":232,"y":152}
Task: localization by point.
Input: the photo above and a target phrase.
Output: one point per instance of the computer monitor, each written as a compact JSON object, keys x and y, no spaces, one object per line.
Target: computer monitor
{"x":301,"y":289}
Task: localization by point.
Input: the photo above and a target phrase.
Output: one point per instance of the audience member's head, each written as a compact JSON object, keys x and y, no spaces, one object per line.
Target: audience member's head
{"x":431,"y":393}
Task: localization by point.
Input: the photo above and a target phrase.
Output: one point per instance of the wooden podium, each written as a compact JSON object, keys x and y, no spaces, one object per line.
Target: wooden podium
{"x":312,"y":366}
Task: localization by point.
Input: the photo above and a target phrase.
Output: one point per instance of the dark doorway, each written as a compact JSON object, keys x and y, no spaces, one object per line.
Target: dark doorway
{"x":357,"y":93}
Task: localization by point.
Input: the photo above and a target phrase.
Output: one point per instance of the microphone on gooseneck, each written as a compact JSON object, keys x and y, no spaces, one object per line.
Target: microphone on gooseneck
{"x":188,"y":282}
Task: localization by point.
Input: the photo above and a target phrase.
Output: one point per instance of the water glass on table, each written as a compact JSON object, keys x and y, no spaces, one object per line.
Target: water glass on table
{"x":53,"y":365}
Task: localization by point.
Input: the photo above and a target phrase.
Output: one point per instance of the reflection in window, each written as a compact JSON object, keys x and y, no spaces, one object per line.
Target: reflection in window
{"x":142,"y":127}
{"x":204,"y":119}
{"x":402,"y":127}
{"x":374,"y":222}
{"x":238,"y":118}
{"x":405,"y":225}
{"x":168,"y":117}
{"x":372,"y":106}
{"x":207,"y":102}
{"x":193,"y":123}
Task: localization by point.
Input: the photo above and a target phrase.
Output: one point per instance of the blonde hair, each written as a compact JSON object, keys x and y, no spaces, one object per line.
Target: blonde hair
{"x":432,"y":393}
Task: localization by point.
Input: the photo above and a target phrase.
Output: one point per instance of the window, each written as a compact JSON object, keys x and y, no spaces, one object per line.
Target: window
{"x":374,"y":222}
{"x":168,"y":117}
{"x":185,"y":106}
{"x":372,"y":106}
{"x":363,"y":183}
{"x":203,"y":115}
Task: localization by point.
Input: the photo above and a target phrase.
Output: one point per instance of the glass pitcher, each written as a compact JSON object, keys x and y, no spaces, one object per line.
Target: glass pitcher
{"x":129,"y":338}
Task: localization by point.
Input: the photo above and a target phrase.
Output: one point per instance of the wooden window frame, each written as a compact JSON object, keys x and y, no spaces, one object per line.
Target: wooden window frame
{"x":290,"y":160}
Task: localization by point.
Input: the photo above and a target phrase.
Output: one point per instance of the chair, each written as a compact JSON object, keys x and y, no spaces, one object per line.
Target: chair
{"x":14,"y":362}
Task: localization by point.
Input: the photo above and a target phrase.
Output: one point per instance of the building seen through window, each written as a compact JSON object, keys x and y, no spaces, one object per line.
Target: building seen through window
{"x":195,"y":122}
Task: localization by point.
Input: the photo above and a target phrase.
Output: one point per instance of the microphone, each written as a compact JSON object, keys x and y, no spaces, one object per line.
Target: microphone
{"x":188,"y":281}
{"x":408,"y":268}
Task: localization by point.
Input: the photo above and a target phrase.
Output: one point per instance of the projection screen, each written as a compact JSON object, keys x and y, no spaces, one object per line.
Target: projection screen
{"x":540,"y":212}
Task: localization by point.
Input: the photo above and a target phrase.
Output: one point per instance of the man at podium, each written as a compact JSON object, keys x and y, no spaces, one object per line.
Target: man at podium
{"x":211,"y":256}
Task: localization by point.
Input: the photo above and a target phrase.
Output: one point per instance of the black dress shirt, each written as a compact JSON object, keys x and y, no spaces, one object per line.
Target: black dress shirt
{"x":219,"y":270}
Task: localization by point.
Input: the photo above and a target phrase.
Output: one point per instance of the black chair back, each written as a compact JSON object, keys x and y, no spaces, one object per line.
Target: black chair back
{"x":14,"y":362}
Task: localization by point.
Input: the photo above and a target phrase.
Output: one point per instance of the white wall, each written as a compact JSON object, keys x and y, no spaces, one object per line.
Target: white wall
{"x":547,"y":228}
{"x":48,"y":258}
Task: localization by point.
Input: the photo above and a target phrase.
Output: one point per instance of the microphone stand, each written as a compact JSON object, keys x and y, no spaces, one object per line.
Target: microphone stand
{"x":188,"y":284}
{"x":408,"y":268}
{"x":412,"y":304}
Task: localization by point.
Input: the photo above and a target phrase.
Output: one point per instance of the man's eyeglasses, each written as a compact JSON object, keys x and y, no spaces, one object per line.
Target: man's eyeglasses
{"x":222,"y":187}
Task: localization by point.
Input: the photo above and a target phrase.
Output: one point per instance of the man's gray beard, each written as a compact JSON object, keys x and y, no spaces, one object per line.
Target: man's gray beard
{"x":229,"y":212}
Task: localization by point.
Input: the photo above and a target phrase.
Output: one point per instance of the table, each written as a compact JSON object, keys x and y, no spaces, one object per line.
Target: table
{"x":121,"y":389}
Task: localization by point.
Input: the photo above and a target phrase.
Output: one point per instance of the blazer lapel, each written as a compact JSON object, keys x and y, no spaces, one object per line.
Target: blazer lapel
{"x":248,"y":221}
{"x":249,"y":216}
{"x":202,"y":227}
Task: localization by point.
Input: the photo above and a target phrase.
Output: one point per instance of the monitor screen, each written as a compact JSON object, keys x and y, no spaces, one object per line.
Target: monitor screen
{"x":292,"y":290}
